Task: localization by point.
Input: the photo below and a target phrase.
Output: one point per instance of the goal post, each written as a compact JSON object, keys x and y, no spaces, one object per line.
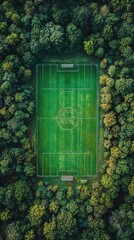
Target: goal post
{"x":66,"y":65}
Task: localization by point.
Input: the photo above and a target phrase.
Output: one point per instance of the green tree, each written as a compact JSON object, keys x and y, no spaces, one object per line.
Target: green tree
{"x":66,"y":224}
{"x":36,"y":213}
{"x":12,"y":231}
{"x":60,"y":13}
{"x":52,"y":36}
{"x":100,"y":52}
{"x":108,"y":32}
{"x":22,"y":192}
{"x":74,"y":34}
{"x":110,"y":119}
{"x":3,"y":27}
{"x":5,"y":215}
{"x":49,"y":230}
{"x":29,"y":7}
{"x":4,"y":167}
{"x":7,"y":66}
{"x":54,"y":206}
{"x":81,"y":15}
{"x":112,"y":71}
{"x":124,"y":86}
{"x":106,"y":100}
{"x":29,"y":235}
{"x":5,"y":86}
{"x":29,"y":170}
{"x":121,"y":222}
{"x":122,"y":167}
{"x":12,"y":39}
{"x":72,"y":207}
{"x":131,"y":187}
{"x":89,"y":47}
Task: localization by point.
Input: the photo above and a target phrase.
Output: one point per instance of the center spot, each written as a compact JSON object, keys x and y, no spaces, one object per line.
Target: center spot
{"x":67,"y":118}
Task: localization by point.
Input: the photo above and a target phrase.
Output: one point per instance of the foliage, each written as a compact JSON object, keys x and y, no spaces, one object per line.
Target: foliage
{"x":122,"y":221}
{"x":12,"y":231}
{"x":29,"y":235}
{"x":49,"y":229}
{"x":89,"y":47}
{"x":36,"y":213}
{"x":74,"y":34}
{"x":110,"y":119}
{"x":32,"y":209}
{"x":131,"y":187}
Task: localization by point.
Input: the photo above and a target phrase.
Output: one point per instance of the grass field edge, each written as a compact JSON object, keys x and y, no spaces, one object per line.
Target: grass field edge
{"x":98,"y":117}
{"x":97,"y":122}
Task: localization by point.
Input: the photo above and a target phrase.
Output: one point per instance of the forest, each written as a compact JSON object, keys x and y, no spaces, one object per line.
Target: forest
{"x":32,"y":208}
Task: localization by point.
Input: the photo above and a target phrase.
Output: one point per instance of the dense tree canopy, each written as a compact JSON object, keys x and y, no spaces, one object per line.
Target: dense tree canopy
{"x":32,"y":209}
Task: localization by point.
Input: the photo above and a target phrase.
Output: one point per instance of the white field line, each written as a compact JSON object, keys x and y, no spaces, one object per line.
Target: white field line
{"x":50,"y":170}
{"x":84,"y":77}
{"x":37,"y":119}
{"x":91,"y":68}
{"x":58,"y":171}
{"x":50,"y":74}
{"x":97,"y":115}
{"x":54,"y":118}
{"x":66,"y":89}
{"x":84,"y":165}
{"x":42,"y":77}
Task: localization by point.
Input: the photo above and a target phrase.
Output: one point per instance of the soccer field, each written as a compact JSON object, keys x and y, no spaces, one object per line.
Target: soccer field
{"x":66,"y":119}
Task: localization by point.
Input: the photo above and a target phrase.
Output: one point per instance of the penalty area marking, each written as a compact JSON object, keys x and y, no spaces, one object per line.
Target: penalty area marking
{"x":66,"y":153}
{"x":56,"y":65}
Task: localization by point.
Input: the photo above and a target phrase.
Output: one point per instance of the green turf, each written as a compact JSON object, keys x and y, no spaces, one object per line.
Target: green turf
{"x":67,"y":119}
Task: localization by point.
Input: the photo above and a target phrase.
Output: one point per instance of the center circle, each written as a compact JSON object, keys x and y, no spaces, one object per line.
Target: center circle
{"x":67,"y":118}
